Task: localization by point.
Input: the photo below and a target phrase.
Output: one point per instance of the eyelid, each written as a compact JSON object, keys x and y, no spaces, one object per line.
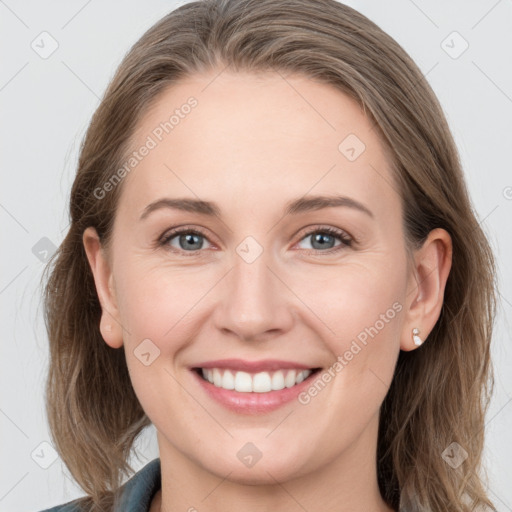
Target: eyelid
{"x":179,"y":230}
{"x":319,"y":228}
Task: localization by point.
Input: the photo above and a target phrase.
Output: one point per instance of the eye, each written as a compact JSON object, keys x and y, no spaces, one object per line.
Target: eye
{"x":188,"y":240}
{"x":323,"y":239}
{"x":184,"y":239}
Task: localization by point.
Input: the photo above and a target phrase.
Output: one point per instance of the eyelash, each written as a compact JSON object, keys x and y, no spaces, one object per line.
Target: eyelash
{"x":345,"y":240}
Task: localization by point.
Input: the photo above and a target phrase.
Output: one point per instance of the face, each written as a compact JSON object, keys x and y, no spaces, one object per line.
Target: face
{"x":265,"y":282}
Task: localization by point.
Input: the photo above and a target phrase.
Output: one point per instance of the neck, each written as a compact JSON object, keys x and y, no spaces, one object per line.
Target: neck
{"x":346,"y":482}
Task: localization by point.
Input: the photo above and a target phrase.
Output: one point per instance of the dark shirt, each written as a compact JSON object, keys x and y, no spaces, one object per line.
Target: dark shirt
{"x":136,"y":494}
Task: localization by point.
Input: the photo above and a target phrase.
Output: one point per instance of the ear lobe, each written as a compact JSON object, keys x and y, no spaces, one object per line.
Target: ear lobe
{"x":110,"y":325}
{"x":432,"y":264}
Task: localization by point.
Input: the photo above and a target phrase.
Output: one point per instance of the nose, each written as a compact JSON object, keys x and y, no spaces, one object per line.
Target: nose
{"x":255,"y":303}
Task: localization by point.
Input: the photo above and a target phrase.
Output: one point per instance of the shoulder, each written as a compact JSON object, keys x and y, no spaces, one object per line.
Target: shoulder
{"x":71,"y":506}
{"x":137,"y":493}
{"x":134,"y":495}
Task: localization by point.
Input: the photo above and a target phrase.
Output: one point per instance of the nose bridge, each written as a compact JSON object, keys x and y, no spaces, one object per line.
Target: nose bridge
{"x":254,"y":301}
{"x":252,"y":291}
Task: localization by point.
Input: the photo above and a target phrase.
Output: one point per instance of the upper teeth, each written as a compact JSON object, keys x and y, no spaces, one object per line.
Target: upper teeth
{"x":261,"y":382}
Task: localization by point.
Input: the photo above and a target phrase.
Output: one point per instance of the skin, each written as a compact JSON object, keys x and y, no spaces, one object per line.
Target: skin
{"x":253,"y":143}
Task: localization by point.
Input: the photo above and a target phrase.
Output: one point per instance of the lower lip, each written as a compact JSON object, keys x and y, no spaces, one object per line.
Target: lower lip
{"x":253,"y":403}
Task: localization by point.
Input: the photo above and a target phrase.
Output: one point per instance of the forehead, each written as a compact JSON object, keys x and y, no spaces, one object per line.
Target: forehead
{"x":242,"y":137}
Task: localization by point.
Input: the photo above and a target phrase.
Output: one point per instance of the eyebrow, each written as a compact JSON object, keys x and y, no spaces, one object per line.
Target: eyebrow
{"x":301,"y":205}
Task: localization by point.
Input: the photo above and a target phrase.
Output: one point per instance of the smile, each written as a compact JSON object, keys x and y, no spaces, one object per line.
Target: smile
{"x":253,"y":387}
{"x":261,"y":382}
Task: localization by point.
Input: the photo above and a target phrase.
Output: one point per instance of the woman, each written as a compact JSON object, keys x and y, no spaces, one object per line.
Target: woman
{"x":272,"y":258}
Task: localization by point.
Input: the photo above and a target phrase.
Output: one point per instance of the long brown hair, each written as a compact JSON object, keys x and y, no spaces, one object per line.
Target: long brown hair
{"x":439,"y":394}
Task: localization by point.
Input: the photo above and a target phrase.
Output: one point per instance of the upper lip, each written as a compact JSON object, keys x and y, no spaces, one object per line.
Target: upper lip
{"x":263,"y":365}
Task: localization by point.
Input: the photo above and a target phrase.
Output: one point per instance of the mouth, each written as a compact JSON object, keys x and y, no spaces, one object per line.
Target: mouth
{"x":253,"y":387}
{"x":255,"y":382}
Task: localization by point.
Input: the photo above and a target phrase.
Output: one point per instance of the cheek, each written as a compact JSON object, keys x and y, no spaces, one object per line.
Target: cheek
{"x":156,"y":300}
{"x":156,"y":303}
{"x":360,"y":309}
{"x":355,"y":298}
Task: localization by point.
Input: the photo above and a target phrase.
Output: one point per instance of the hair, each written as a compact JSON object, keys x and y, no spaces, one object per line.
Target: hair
{"x":439,"y":394}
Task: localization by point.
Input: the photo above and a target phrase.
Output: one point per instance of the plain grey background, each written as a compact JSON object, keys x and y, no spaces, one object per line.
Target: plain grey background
{"x":463,"y":47}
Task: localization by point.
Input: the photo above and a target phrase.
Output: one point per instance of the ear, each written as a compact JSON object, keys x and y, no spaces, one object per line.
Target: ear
{"x":427,"y":282}
{"x":110,"y":325}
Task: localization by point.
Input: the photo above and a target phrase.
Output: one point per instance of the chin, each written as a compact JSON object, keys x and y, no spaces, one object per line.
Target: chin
{"x":272,"y":466}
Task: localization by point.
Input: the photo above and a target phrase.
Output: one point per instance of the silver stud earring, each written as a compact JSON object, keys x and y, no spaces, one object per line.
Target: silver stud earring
{"x":415,"y":337}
